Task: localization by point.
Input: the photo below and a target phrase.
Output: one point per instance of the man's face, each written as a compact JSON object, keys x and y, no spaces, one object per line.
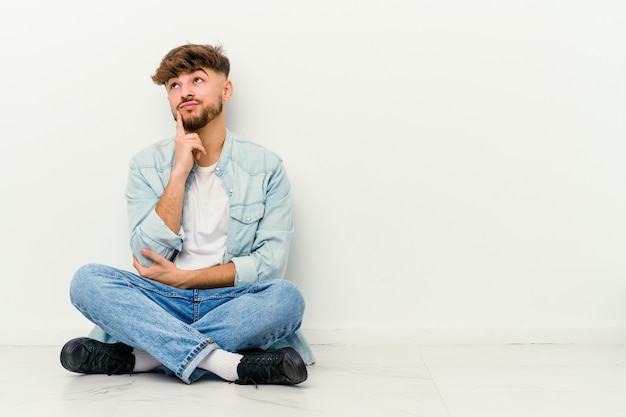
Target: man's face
{"x":198,"y":96}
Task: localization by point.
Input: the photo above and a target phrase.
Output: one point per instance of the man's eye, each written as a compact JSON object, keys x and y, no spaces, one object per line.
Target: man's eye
{"x":198,"y":80}
{"x":173,"y":86}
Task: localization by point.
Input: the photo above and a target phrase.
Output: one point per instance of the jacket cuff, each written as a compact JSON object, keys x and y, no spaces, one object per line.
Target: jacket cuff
{"x":246,"y":271}
{"x":156,"y":236}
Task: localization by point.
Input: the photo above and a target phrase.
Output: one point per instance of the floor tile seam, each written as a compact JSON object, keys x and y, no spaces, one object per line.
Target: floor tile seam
{"x":546,"y":366}
{"x":544,"y":389}
{"x":127,"y":395}
{"x":514,"y":345}
{"x":439,"y":393}
{"x":535,"y":391}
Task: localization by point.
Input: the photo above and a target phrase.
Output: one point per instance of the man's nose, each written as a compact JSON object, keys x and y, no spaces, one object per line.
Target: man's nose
{"x":186,"y":91}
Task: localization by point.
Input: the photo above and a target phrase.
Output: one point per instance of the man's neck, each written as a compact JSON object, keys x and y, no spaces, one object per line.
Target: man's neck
{"x":212,"y":137}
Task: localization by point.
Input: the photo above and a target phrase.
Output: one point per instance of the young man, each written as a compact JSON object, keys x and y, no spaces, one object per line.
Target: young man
{"x":210,"y":226}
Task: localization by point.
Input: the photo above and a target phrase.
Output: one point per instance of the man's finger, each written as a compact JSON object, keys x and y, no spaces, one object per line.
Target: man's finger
{"x":180,"y":129}
{"x":153,"y":256}
{"x":150,"y":255}
{"x":137,"y":265}
{"x":198,"y":150}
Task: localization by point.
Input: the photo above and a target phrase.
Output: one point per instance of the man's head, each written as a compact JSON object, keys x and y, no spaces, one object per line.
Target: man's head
{"x":196,"y":80}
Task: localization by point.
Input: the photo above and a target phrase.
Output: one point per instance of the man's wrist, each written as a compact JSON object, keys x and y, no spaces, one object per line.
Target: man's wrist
{"x":179,"y":175}
{"x":185,"y":279}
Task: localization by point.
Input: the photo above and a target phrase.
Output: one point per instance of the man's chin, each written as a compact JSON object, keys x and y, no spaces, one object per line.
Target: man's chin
{"x":193,"y":125}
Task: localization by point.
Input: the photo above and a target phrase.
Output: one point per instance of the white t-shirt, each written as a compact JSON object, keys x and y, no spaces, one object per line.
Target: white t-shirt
{"x":205,"y":222}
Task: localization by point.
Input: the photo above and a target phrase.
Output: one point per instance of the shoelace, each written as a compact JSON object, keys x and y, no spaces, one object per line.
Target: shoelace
{"x":266,"y":370}
{"x":109,"y":362}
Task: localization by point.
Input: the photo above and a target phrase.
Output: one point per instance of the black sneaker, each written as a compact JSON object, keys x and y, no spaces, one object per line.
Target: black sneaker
{"x":89,"y":356}
{"x":282,"y":367}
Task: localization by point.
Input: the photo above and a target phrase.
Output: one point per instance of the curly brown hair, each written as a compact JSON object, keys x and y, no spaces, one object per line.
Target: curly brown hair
{"x":189,"y":58}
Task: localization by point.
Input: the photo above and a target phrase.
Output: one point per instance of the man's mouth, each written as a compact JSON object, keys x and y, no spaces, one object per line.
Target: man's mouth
{"x":188,"y":105}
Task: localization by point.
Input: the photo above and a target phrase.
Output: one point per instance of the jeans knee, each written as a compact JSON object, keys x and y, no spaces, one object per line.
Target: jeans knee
{"x":81,"y":287}
{"x":289,"y":294}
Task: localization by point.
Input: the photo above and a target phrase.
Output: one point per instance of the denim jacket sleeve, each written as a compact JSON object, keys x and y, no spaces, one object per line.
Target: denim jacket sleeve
{"x":261,"y":223}
{"x":148,"y":175}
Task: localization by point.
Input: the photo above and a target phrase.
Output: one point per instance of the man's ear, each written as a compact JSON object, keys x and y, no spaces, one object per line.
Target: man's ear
{"x":228,"y":90}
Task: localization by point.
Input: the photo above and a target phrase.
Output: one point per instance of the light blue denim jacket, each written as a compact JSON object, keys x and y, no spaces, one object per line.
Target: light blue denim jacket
{"x":260,"y":224}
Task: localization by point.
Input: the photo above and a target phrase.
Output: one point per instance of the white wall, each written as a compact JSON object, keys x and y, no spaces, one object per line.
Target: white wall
{"x":457,"y":165}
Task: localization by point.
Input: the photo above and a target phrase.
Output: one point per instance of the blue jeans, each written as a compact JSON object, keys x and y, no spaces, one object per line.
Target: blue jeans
{"x":181,"y":327}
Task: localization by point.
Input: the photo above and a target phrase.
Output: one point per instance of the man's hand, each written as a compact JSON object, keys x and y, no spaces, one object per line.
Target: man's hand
{"x":162,"y":270}
{"x":188,"y":147}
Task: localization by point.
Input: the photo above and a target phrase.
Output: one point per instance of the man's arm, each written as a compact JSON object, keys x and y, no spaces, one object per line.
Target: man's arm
{"x":164,"y":271}
{"x":170,"y":205}
{"x":159,"y":228}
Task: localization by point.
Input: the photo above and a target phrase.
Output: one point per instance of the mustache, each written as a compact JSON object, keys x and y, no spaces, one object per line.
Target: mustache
{"x":187,"y":100}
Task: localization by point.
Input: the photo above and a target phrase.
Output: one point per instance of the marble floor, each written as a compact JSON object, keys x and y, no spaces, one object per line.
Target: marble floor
{"x":385,"y":381}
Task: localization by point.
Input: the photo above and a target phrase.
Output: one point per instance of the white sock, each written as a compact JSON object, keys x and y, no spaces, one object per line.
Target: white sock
{"x":144,"y":362}
{"x":222,"y":363}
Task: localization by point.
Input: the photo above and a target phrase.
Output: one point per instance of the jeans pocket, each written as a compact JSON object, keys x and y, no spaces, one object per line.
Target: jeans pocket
{"x":225,"y":293}
{"x":150,"y":286}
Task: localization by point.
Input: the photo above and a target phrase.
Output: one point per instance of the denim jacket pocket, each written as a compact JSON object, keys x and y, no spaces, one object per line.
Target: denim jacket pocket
{"x":244,"y":221}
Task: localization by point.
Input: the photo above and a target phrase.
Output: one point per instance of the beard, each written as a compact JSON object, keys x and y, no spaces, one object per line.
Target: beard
{"x":207,"y":115}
